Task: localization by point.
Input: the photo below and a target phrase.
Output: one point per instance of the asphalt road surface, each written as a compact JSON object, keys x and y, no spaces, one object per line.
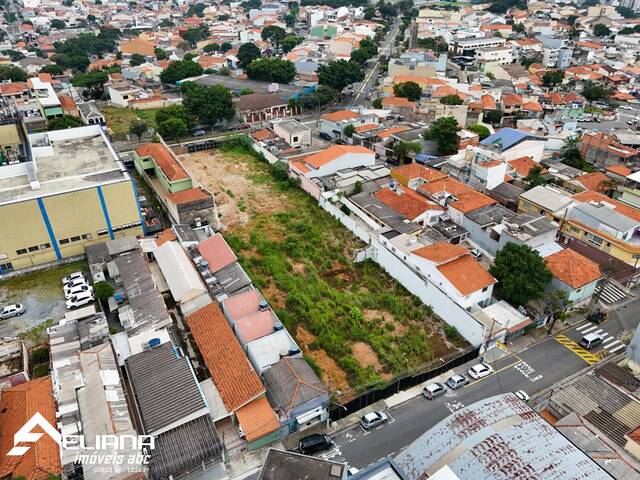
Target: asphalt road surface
{"x":532,"y":370}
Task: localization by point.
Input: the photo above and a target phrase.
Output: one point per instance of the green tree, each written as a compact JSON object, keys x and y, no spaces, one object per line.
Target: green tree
{"x":166,"y":23}
{"x":210,"y":104}
{"x":522,"y":274}
{"x":377,"y":103}
{"x":175,"y":111}
{"x":444,"y":133}
{"x":401,"y":149}
{"x":75,"y":61}
{"x":409,"y":90}
{"x":103,"y":290}
{"x":225,"y":47}
{"x":626,"y":12}
{"x":63,"y":122}
{"x":534,"y":178}
{"x":593,"y":91}
{"x":14,"y":55}
{"x":481,"y":130}
{"x":194,"y":35}
{"x":436,"y":44}
{"x":57,"y":24}
{"x":601,"y":30}
{"x":247,"y":53}
{"x":172,"y":128}
{"x":369,"y":12}
{"x":271,"y":70}
{"x":290,"y":20}
{"x":161,"y":54}
{"x":93,"y":82}
{"x":92,"y":18}
{"x":570,"y":153}
{"x":53,"y":69}
{"x":136,"y":59}
{"x":212,"y":47}
{"x":15,"y":74}
{"x":138,"y":128}
{"x":273,"y":34}
{"x":349,"y":130}
{"x":452,"y":99}
{"x":551,"y":78}
{"x":251,"y":4}
{"x":245,"y":91}
{"x":290,"y":42}
{"x":179,"y":70}
{"x":338,"y":74}
{"x":196,"y":10}
{"x":494,"y":117}
{"x":558,"y":305}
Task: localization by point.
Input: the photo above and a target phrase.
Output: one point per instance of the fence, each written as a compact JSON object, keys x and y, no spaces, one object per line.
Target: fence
{"x":401,"y":383}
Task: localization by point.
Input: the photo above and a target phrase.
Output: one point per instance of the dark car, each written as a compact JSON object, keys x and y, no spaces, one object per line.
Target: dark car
{"x":325,"y":136}
{"x":315,"y":443}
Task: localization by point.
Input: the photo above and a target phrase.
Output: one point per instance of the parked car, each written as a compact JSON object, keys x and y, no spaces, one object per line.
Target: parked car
{"x":457,"y":381}
{"x":339,"y":141}
{"x":522,"y":395}
{"x":480,"y":370}
{"x":78,"y":282}
{"x":434,"y":390}
{"x":198,"y":133}
{"x":325,"y":136}
{"x":597,"y":317}
{"x":314,"y":443}
{"x":352,"y":471}
{"x":373,"y":419}
{"x":591,"y":340}
{"x":73,"y":276}
{"x":79,"y":300}
{"x":78,"y":290}
{"x":475,"y":253}
{"x":13,"y":310}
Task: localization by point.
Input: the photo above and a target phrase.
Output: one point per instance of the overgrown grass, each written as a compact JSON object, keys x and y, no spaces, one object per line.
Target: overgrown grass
{"x":38,"y":334}
{"x":329,"y":296}
{"x":119,"y":120}
{"x":47,"y":282}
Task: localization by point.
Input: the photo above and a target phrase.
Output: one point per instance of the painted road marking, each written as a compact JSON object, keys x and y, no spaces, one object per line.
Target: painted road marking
{"x":588,"y":329}
{"x":619,"y":347}
{"x":453,"y":406}
{"x":610,"y":343}
{"x":585,"y":355}
{"x":527,"y":371}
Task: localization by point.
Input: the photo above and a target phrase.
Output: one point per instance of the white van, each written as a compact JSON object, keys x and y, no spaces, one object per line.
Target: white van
{"x":79,"y":300}
{"x":591,"y":340}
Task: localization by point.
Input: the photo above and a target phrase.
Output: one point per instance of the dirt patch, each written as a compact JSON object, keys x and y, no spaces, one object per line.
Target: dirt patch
{"x":299,"y":268}
{"x":398,"y":328}
{"x":366,"y":357}
{"x":332,"y":375}
{"x":340,"y":272}
{"x":227,"y":177}
{"x":276,"y":297}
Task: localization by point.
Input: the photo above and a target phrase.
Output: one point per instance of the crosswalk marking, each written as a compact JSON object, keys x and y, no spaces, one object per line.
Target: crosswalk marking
{"x":588,"y":328}
{"x":587,"y":356}
{"x":619,"y":347}
{"x":610,"y":343}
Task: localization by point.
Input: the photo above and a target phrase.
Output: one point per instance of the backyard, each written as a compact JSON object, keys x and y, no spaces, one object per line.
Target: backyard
{"x":120,"y":119}
{"x":354,"y":323}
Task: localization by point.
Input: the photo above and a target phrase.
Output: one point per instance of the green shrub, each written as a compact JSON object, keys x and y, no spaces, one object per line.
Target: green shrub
{"x":40,"y":371}
{"x":40,"y":355}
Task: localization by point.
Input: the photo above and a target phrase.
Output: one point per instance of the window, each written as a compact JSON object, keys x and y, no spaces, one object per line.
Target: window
{"x":6,"y":267}
{"x":64,"y":241}
{"x":33,"y":249}
{"x":21,"y":251}
{"x":593,"y":239}
{"x":75,"y":239}
{"x":44,"y":246}
{"x":294,"y":139}
{"x":86,"y":236}
{"x":485,"y":289}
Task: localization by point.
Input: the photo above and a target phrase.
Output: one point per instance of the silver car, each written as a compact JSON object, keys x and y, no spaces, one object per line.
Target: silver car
{"x":434,"y":390}
{"x":13,"y":310}
{"x":457,"y":381}
{"x":373,"y":419}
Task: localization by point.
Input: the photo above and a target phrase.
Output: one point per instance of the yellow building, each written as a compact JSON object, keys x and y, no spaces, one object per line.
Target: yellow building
{"x":59,"y":192}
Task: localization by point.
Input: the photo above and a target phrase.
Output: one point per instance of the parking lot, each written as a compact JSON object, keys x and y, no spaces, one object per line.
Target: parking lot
{"x":41,"y":294}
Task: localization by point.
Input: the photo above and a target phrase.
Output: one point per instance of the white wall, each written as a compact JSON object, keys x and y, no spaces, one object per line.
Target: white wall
{"x":528,"y":148}
{"x":349,"y":160}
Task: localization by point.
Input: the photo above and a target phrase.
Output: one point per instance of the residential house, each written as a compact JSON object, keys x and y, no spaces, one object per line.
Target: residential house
{"x":258,"y":107}
{"x":327,"y":162}
{"x":513,"y":143}
{"x":334,"y":123}
{"x":219,"y":268}
{"x":138,"y":46}
{"x":574,"y":274}
{"x":551,"y":201}
{"x":293,"y":132}
{"x":280,"y":465}
{"x":91,"y":114}
{"x":169,"y":404}
{"x":68,"y":106}
{"x":44,"y":93}
{"x":413,"y":175}
{"x":601,"y":149}
{"x":414,"y":207}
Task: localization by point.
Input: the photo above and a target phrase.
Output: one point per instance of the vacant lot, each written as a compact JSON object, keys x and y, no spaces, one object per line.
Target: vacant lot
{"x":41,"y":294}
{"x":119,"y":119}
{"x":354,"y":322}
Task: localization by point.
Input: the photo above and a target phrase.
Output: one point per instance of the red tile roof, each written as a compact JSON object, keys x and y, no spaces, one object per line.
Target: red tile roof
{"x":619,"y":170}
{"x":466,"y":275}
{"x":441,"y":252}
{"x":237,"y":306}
{"x":397,"y":102}
{"x":622,"y":208}
{"x":257,"y":419}
{"x":164,"y":159}
{"x":592,"y":181}
{"x":188,"y":195}
{"x":216,"y":252}
{"x":406,"y":202}
{"x":333,"y":153}
{"x":393,"y":130}
{"x":17,"y":405}
{"x":415,"y":170}
{"x":233,"y":375}
{"x":471,"y":201}
{"x":448,"y":185}
{"x":340,"y":115}
{"x":165,"y":236}
{"x":255,"y":325}
{"x":488,"y":102}
{"x":523,"y":165}
{"x":572,"y":268}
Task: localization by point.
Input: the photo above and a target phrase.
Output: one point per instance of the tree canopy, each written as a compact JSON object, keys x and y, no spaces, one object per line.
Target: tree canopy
{"x":136,"y":59}
{"x":194,"y":35}
{"x":247,"y":53}
{"x":271,"y":70}
{"x":409,"y":90}
{"x":212,"y":47}
{"x":338,"y":74}
{"x":494,"y":117}
{"x":175,"y":111}
{"x":172,"y":128}
{"x":551,"y":78}
{"x":452,"y":99}
{"x":593,"y":91}
{"x":534,"y":178}
{"x":65,"y":121}
{"x":179,"y":70}
{"x":290,"y":42}
{"x":57,"y":24}
{"x":273,"y":34}
{"x":10,"y":72}
{"x":601,"y":30}
{"x":93,"y":82}
{"x":443,"y":132}
{"x":521,"y":273}
{"x":210,"y":104}
{"x":481,"y":130}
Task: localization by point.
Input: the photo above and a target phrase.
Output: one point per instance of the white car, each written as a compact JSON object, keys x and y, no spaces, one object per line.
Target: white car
{"x":373,"y":419}
{"x":522,"y":395}
{"x":13,"y":310}
{"x":73,"y":276}
{"x":78,"y":282}
{"x":78,"y":290}
{"x":79,"y":300}
{"x":480,"y":371}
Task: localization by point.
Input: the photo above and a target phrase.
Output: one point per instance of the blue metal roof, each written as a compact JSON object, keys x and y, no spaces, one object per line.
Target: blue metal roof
{"x":508,"y":137}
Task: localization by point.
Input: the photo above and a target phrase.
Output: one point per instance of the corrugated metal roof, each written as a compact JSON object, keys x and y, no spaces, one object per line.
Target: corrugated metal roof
{"x":165,"y":387}
{"x":497,"y":438}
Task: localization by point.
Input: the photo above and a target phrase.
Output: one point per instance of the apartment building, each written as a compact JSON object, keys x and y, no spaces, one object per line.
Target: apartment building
{"x":59,"y":192}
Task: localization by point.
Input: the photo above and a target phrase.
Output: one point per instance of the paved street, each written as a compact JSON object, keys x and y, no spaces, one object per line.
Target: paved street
{"x":532,"y":370}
